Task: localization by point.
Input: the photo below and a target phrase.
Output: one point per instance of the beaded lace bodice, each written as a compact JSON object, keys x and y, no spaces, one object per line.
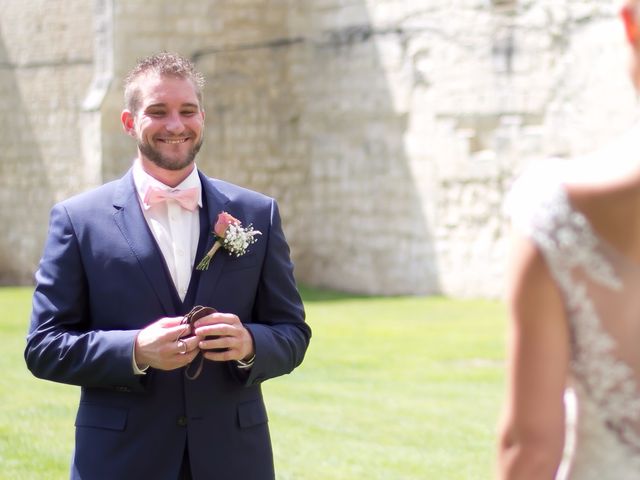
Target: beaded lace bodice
{"x":601,"y":293}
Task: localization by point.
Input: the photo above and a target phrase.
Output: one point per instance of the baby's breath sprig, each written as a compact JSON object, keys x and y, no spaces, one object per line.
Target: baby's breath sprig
{"x":230,"y":235}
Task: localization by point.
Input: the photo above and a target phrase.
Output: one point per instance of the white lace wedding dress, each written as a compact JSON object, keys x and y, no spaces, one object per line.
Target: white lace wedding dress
{"x":601,"y":290}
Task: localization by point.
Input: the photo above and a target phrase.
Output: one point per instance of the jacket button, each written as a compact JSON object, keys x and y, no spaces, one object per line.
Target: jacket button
{"x":182,"y":421}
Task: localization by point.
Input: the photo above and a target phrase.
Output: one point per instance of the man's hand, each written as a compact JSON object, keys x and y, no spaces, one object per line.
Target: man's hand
{"x":232,"y":335}
{"x":161,"y":346}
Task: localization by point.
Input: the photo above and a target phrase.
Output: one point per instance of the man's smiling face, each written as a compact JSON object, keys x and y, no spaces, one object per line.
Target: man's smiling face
{"x":168,"y":124}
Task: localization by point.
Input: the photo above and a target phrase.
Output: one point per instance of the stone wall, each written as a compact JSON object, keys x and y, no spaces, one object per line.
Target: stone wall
{"x":389,"y":130}
{"x":45,"y":67}
{"x":419,"y":114}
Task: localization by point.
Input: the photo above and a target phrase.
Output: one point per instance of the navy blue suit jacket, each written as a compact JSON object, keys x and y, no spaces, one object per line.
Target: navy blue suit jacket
{"x":102,"y":278}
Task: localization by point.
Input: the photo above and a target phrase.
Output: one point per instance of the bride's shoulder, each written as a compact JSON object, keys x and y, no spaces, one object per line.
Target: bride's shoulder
{"x":606,"y":179}
{"x":603,"y":184}
{"x":534,"y":190}
{"x":606,"y":190}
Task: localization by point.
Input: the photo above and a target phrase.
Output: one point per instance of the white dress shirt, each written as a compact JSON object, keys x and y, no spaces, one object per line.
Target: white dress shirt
{"x":176,"y":229}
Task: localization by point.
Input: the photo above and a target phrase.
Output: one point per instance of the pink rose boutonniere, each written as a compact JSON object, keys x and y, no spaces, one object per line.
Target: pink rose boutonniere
{"x":232,"y":236}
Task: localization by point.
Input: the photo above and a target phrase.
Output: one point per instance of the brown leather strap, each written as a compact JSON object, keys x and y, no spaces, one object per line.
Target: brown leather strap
{"x":196,"y":313}
{"x":192,"y":376}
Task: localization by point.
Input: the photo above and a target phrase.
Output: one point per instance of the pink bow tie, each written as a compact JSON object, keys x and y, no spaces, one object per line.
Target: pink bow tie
{"x":187,"y":198}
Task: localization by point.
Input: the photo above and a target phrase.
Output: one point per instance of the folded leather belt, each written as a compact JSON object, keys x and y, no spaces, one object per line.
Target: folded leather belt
{"x":190,"y":318}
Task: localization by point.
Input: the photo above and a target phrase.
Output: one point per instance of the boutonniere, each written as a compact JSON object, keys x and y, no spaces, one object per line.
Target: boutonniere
{"x":230,"y":235}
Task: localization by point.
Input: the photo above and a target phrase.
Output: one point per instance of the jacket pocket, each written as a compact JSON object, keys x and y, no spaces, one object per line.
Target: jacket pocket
{"x":99,"y":416}
{"x":241,"y":263}
{"x":252,"y":413}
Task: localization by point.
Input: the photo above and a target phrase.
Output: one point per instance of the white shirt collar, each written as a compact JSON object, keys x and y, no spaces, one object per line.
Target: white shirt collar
{"x":142,"y":181}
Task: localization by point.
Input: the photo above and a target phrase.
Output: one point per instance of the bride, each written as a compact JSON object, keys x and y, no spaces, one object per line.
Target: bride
{"x":574,"y":307}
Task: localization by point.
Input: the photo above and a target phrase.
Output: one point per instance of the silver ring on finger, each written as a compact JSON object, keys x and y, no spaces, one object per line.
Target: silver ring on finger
{"x":182,"y":346}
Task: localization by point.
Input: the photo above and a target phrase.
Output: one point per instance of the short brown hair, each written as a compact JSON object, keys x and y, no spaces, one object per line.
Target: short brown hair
{"x":163,"y":64}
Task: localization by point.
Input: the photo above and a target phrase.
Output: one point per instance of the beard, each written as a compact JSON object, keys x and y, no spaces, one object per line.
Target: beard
{"x":165,"y":162}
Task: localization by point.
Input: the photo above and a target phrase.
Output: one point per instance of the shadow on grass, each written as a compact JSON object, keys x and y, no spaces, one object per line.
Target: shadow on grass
{"x":310,"y":294}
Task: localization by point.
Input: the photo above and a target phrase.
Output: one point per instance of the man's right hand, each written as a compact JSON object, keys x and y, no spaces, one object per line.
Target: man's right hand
{"x":161,"y":345}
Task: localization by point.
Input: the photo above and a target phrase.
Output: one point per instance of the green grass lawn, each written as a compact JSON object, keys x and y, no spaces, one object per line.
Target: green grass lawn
{"x":391,"y":388}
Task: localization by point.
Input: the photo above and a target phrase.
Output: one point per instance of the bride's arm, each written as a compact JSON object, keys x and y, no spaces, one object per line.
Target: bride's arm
{"x":532,"y":430}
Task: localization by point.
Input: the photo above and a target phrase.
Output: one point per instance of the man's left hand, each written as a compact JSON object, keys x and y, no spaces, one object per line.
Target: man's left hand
{"x":232,"y":336}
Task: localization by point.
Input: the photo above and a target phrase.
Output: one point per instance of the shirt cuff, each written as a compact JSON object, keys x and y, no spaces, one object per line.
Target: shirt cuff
{"x":137,"y":370}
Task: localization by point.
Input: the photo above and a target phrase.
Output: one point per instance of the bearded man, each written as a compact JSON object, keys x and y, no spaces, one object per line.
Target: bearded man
{"x":169,"y":356}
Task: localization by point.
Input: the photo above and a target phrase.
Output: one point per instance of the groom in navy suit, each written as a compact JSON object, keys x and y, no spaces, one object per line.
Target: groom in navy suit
{"x":117,"y":278}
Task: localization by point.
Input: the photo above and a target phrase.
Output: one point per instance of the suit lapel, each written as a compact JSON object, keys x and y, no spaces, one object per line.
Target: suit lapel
{"x":215,"y":202}
{"x":133,"y":226}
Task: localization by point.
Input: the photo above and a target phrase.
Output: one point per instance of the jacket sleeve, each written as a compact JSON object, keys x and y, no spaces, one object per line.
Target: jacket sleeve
{"x":61,"y":346}
{"x":281,"y":335}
